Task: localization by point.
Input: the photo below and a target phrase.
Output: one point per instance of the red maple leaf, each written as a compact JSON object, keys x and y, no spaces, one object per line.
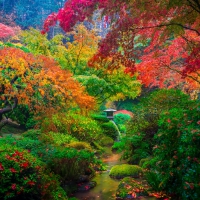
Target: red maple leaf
{"x":13,"y":186}
{"x":31,"y":183}
{"x":25,"y":164}
{"x":1,"y":167}
{"x":13,"y":170}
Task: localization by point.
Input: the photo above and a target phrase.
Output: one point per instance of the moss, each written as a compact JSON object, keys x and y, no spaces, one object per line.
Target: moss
{"x":124,"y":170}
{"x":106,"y":141}
{"x":129,"y":189}
{"x":80,"y":145}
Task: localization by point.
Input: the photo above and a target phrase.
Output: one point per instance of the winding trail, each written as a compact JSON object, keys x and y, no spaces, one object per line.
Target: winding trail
{"x":106,"y":187}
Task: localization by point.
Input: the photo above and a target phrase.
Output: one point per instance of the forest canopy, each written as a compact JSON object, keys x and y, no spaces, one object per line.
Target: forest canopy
{"x":158,"y":39}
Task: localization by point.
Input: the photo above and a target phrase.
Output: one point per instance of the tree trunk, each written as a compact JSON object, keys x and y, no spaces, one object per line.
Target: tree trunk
{"x":3,"y":118}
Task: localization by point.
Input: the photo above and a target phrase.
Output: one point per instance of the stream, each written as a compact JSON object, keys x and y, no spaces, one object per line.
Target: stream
{"x":106,"y":186}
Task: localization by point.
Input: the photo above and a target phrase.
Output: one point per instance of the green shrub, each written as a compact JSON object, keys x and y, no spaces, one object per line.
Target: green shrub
{"x":122,"y":128}
{"x":80,"y":145}
{"x":121,"y":118}
{"x":176,"y":153}
{"x":106,"y":141}
{"x":18,"y":173}
{"x":22,"y":176}
{"x":124,"y":170}
{"x":23,"y":48}
{"x":57,"y":139}
{"x":144,"y":161}
{"x":35,"y":147}
{"x":84,"y":128}
{"x":55,"y":123}
{"x":127,"y":105}
{"x":164,"y":99}
{"x":100,"y":118}
{"x":154,"y":179}
{"x":23,"y":116}
{"x":50,"y":185}
{"x":81,"y":127}
{"x":97,"y":147}
{"x":32,"y":134}
{"x":144,"y":125}
{"x":70,"y":163}
{"x":110,"y":130}
{"x":119,"y":145}
{"x":139,"y":137}
{"x":134,"y":148}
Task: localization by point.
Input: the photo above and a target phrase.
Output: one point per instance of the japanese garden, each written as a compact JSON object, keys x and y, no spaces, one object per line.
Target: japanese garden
{"x":99,"y":99}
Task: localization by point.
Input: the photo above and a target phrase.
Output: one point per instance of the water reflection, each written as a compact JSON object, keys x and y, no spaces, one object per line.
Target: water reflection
{"x":106,"y":187}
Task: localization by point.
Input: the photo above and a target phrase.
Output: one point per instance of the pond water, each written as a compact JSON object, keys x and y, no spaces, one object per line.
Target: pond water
{"x":106,"y":187}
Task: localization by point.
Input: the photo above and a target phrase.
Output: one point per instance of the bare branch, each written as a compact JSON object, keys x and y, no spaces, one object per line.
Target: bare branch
{"x":194,"y":4}
{"x":8,"y":121}
{"x":170,"y":24}
{"x":13,"y":80}
{"x":9,"y":107}
{"x":179,"y":72}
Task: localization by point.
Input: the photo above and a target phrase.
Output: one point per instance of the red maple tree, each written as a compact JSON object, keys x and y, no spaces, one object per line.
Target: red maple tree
{"x":158,"y":39}
{"x":5,"y":31}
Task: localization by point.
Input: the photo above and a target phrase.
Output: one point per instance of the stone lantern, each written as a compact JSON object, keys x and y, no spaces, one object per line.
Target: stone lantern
{"x":110,"y":113}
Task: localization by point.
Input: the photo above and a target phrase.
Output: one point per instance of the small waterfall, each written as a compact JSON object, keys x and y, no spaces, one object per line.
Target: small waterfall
{"x":119,"y":134}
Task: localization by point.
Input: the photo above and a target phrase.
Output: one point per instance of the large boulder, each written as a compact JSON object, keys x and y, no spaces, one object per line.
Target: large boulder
{"x":124,"y":170}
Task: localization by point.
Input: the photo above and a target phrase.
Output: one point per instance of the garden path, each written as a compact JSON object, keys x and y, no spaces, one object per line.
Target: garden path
{"x":106,"y":187}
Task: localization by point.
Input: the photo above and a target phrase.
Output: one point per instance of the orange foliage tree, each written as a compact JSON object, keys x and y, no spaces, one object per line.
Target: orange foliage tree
{"x":39,"y":82}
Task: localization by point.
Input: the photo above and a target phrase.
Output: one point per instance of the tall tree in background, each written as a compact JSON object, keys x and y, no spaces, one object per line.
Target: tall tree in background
{"x":28,"y":13}
{"x":168,"y":31}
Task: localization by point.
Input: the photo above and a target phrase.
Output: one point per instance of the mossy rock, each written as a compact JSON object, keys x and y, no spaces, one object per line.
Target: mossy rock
{"x":106,"y":141}
{"x":124,"y":170}
{"x":130,"y":189}
{"x":82,"y":187}
{"x":80,"y":145}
